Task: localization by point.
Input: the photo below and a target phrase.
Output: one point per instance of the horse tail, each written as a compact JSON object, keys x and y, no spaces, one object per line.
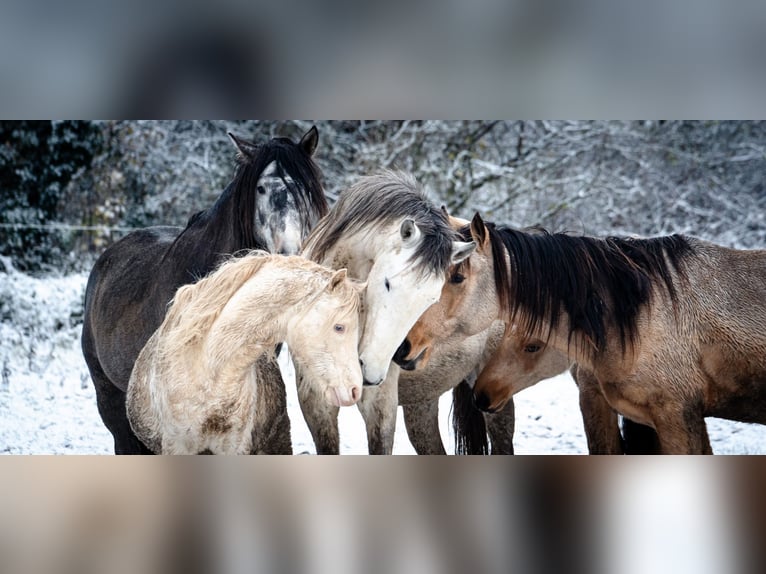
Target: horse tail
{"x":468,"y":422}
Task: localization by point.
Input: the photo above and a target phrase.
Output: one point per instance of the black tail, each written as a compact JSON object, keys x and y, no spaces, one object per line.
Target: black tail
{"x":468,"y":422}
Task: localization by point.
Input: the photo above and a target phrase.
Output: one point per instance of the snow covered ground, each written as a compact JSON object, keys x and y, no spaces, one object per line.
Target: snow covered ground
{"x":48,"y":405}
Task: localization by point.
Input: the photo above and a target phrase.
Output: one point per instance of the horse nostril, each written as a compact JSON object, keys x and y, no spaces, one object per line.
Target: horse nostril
{"x":481,"y":401}
{"x":355,"y":393}
{"x":402,"y":352}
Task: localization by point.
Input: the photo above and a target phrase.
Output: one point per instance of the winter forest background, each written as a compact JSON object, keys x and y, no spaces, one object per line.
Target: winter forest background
{"x":69,"y":188}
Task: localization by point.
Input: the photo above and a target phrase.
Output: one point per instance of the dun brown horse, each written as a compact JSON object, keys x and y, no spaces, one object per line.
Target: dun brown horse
{"x":665,"y":331}
{"x":519,"y":363}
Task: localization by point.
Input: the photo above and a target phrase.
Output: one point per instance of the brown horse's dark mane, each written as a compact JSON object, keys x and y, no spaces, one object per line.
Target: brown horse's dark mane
{"x":596,"y":282}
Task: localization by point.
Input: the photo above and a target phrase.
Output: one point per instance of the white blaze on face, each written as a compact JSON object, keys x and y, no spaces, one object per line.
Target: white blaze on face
{"x":396,"y":296}
{"x":277,"y":212}
{"x":290,"y":241}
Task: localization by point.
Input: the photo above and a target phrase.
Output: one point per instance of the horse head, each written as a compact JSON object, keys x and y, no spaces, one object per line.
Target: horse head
{"x":398,"y":292}
{"x":467,"y":304}
{"x":284,"y":198}
{"x":323,"y":341}
{"x":519,"y":362}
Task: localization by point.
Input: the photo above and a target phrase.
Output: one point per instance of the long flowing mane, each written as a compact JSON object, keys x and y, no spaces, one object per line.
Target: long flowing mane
{"x":296,"y":163}
{"x":377,"y":201}
{"x":237,"y":202}
{"x":195,"y":307}
{"x":596,"y":282}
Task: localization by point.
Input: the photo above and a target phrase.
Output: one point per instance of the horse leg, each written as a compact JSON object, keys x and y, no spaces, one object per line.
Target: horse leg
{"x":422,"y":423}
{"x":271,"y":434}
{"x":681,"y":428}
{"x":500,"y":428}
{"x":602,"y":429}
{"x":378,"y":407}
{"x":321,"y":418}
{"x":111,"y":407}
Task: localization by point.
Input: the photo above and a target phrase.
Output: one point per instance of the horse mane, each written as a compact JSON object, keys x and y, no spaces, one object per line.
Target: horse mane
{"x":596,"y":282}
{"x":196,"y":306}
{"x":376,"y":201}
{"x":295,"y":162}
{"x":240,"y":196}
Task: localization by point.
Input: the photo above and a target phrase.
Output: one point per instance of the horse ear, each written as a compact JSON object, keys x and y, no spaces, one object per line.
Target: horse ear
{"x":461,"y":250}
{"x":337,"y":278}
{"x":479,"y":231}
{"x":444,"y":211}
{"x":310,"y":140}
{"x":245,"y":148}
{"x":410,"y":232}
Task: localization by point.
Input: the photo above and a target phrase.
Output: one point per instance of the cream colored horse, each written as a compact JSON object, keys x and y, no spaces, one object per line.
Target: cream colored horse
{"x":194,"y":386}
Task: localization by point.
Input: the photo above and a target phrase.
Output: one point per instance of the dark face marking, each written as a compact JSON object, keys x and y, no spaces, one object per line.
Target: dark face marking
{"x":278,"y":210}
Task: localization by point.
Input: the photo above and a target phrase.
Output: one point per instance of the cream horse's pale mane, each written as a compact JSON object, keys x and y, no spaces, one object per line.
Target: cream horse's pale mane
{"x":195,"y":308}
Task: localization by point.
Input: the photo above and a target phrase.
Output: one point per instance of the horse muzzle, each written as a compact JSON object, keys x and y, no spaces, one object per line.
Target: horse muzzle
{"x":400,"y":357}
{"x":483,"y":403}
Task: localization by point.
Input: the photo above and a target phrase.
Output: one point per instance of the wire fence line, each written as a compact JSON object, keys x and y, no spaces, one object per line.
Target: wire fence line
{"x":66,"y":227}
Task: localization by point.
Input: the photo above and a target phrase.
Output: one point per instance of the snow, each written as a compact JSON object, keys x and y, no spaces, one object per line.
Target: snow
{"x":48,"y":405}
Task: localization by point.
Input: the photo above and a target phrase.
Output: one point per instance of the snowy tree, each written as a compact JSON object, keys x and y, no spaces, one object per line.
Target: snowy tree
{"x":595,"y":177}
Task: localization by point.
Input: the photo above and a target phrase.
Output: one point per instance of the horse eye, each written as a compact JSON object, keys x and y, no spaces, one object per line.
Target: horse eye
{"x":457,"y":278}
{"x":531,"y":348}
{"x":339,"y":328}
{"x":388,"y":285}
{"x":261,"y":190}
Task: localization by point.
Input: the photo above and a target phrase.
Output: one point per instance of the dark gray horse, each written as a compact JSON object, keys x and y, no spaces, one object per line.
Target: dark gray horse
{"x":272,"y":203}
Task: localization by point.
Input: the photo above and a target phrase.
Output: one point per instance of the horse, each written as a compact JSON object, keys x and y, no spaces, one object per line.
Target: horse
{"x":519,"y":363}
{"x":665,"y":330}
{"x":194,"y":384}
{"x":386,"y":232}
{"x":272,"y":203}
{"x":455,"y":359}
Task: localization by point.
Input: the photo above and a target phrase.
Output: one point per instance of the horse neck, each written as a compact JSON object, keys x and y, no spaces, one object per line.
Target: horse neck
{"x":210,"y":236}
{"x":225,"y":225}
{"x":256,"y":319}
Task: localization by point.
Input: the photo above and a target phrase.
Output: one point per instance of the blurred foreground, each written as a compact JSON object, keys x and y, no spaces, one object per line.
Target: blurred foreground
{"x":305,"y":514}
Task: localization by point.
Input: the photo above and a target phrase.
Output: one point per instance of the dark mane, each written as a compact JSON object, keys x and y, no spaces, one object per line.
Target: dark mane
{"x":377,"y":201}
{"x":236,"y":205}
{"x":296,"y":163}
{"x":596,"y":282}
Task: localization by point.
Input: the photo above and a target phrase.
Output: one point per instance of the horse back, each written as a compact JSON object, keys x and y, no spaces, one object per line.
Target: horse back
{"x":125,"y":300}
